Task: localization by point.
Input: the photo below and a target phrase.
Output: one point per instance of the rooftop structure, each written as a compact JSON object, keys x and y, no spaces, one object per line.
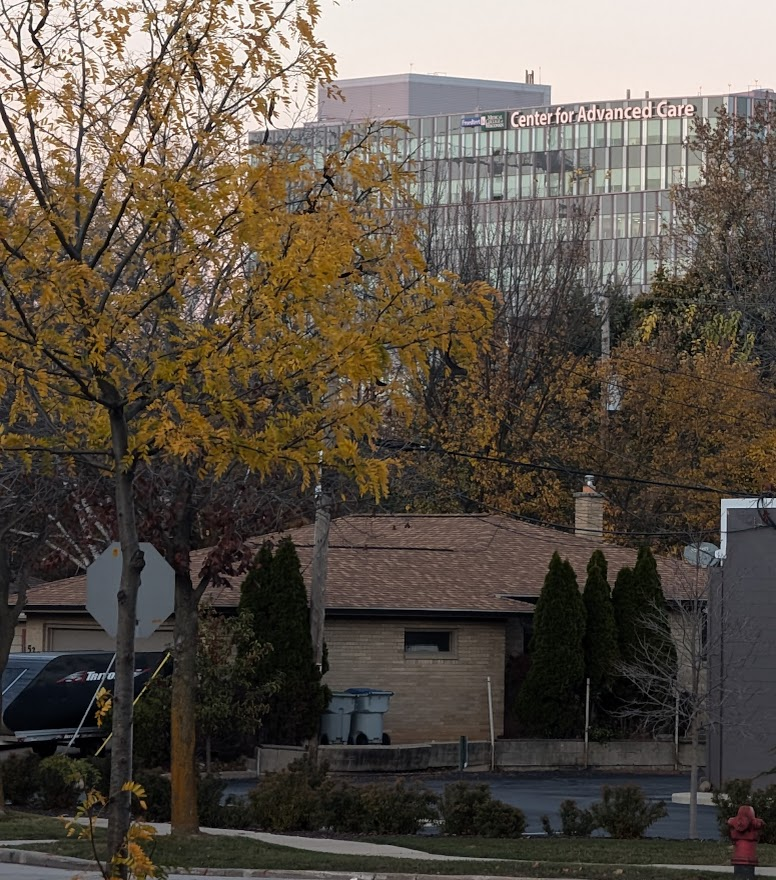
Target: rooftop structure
{"x":406,"y":95}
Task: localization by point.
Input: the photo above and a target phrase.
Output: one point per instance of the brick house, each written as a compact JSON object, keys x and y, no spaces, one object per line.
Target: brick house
{"x":426,"y":606}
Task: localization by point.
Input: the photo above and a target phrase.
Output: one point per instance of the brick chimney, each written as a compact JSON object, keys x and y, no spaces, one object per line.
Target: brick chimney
{"x":589,"y":511}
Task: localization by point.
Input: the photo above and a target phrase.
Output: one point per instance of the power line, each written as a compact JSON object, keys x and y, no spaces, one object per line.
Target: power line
{"x":402,"y":446}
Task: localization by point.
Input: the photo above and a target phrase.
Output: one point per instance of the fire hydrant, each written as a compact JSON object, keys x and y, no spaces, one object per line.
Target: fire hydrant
{"x":745,"y":830}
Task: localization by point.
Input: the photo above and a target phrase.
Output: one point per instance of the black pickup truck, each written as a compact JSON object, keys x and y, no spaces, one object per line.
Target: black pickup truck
{"x":46,"y":695}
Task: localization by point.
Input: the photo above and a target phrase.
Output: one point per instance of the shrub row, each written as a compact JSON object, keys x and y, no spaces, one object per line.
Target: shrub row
{"x":57,"y":783}
{"x":623,"y":812}
{"x":303,"y":798}
{"x":54,"y":783}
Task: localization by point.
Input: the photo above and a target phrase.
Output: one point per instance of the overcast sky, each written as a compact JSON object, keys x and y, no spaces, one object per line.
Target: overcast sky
{"x":585,"y":50}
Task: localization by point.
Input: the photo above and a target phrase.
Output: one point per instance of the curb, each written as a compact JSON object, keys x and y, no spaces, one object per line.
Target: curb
{"x":45,"y":860}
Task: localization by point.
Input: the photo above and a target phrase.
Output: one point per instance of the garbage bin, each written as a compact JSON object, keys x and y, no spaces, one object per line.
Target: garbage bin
{"x":335,"y":721}
{"x":366,"y":722}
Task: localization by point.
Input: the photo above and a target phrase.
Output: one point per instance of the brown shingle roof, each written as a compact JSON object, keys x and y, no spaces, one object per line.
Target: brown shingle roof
{"x":409,"y":562}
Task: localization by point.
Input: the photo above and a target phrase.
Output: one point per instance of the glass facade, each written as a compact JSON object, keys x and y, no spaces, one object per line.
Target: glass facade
{"x":613,"y":161}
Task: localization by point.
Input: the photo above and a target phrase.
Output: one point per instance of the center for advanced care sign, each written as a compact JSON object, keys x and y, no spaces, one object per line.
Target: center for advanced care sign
{"x":594,"y":113}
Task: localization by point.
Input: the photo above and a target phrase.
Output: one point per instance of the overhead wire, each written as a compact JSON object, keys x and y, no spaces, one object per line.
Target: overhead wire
{"x":411,"y":446}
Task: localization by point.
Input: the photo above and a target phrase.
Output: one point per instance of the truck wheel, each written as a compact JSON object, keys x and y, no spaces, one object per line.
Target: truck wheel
{"x":44,"y":749}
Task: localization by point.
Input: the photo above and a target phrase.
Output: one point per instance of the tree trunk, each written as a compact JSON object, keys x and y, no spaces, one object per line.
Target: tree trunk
{"x":695,"y":736}
{"x":119,"y":815}
{"x":9,"y":616}
{"x":184,"y":722}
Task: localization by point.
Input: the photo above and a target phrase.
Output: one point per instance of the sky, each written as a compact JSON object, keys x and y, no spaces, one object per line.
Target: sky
{"x":590,"y":50}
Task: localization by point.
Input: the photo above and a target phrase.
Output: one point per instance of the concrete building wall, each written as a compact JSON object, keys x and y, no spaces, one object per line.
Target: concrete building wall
{"x":436,"y":697}
{"x":742,"y":652}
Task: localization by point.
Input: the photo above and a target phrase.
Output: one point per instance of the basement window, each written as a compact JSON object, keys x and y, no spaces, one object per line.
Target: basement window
{"x":428,"y":642}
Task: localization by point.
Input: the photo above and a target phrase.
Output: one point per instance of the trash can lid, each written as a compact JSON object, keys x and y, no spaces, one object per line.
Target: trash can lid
{"x":369,"y":691}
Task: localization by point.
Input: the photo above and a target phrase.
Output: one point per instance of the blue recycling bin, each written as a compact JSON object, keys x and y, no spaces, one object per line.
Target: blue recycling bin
{"x":335,"y":721}
{"x":366,"y":722}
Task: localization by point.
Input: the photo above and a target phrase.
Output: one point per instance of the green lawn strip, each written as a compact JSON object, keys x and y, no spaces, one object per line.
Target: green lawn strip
{"x":602,"y":850}
{"x":28,"y":826}
{"x":210,"y":851}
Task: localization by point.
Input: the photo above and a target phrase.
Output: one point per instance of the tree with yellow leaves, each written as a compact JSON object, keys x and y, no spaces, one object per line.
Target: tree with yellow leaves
{"x":169,"y":297}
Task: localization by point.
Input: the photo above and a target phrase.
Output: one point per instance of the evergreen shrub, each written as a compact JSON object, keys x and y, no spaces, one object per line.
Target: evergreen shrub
{"x":737,"y":792}
{"x":576,"y":821}
{"x":342,"y":808}
{"x":550,"y":702}
{"x":275,"y":595}
{"x":625,"y":812}
{"x":302,"y":798}
{"x":601,"y":651}
{"x":291,"y":800}
{"x":20,"y":779}
{"x":469,"y":810}
{"x":151,"y":728}
{"x":61,"y":781}
{"x":396,"y":808}
{"x":497,"y":819}
{"x":210,"y":790}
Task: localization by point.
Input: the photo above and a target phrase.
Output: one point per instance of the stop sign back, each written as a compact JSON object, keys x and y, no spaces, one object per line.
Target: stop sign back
{"x":155,"y":599}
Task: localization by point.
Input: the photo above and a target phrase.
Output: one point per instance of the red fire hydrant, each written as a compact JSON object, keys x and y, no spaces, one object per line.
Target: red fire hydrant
{"x":745,"y":830}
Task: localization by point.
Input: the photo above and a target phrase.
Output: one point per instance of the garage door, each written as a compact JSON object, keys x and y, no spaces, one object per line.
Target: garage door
{"x":88,"y":639}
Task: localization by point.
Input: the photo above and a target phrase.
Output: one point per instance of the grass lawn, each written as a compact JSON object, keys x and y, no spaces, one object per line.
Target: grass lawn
{"x":589,"y":859}
{"x":30,"y":826}
{"x":649,"y":851}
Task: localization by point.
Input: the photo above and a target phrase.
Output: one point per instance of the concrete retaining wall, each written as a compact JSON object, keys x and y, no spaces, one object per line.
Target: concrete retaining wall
{"x":511,"y":754}
{"x":549,"y":754}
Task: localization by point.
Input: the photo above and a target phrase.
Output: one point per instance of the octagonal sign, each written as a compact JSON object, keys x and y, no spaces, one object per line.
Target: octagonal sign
{"x":155,"y":598}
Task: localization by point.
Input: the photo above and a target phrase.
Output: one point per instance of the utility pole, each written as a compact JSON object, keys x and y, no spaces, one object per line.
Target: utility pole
{"x":319,"y":570}
{"x":320,"y":565}
{"x":606,"y":350}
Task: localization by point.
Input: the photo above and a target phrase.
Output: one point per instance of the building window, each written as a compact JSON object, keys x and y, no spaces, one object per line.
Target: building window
{"x":428,"y":641}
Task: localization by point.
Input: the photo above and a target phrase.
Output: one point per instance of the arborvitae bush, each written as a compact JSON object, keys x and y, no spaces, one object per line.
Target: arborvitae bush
{"x":550,"y":701}
{"x":647,"y":649}
{"x":275,"y":594}
{"x":655,"y":639}
{"x":601,"y":652}
{"x":20,"y":778}
{"x":627,"y":610}
{"x":625,"y":812}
